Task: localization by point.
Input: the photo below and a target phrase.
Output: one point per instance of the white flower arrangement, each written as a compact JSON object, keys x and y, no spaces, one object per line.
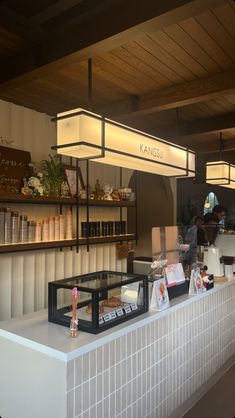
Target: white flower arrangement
{"x":35,"y":184}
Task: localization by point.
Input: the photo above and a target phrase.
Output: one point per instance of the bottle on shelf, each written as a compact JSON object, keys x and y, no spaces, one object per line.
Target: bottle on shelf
{"x":7,"y":226}
{"x":23,"y":229}
{"x":61,"y":218}
{"x":68,"y":224}
{"x":51,"y":228}
{"x":45,"y":230}
{"x":57,"y":228}
{"x":38,"y":231}
{"x":31,"y":231}
{"x":14,"y":227}
{"x":2,"y":220}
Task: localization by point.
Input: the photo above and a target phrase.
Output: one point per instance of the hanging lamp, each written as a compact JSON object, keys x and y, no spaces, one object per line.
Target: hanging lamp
{"x":220,"y":173}
{"x":87,"y":136}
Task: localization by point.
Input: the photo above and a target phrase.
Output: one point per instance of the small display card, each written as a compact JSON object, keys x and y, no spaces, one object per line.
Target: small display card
{"x":119,"y":312}
{"x":196,"y":282}
{"x":160,"y":298}
{"x":127,"y":309}
{"x":174,"y":274}
{"x":134,"y":307}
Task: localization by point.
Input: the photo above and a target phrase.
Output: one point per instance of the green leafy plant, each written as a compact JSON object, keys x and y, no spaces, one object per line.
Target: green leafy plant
{"x":53,"y":175}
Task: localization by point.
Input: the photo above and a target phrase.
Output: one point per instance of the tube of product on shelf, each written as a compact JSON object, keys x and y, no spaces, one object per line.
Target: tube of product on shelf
{"x":14,"y":227}
{"x":7,"y":226}
{"x":123,"y":227}
{"x":117,"y":227}
{"x":61,"y":217}
{"x":23,"y":230}
{"x":97,"y":229}
{"x":68,"y":224}
{"x":104,"y":229}
{"x":31,"y":231}
{"x":38,"y":231}
{"x":51,"y":228}
{"x":57,"y":228}
{"x":2,"y":220}
{"x":45,"y":230}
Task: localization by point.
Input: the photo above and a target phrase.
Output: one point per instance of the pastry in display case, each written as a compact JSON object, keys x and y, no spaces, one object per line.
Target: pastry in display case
{"x":105,"y":299}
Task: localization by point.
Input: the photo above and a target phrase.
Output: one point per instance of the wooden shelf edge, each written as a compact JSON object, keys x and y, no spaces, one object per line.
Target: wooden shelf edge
{"x":20,"y":198}
{"x":31,"y":246}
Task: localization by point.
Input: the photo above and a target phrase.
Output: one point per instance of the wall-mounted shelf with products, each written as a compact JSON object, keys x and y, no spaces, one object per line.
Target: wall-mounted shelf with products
{"x":71,"y":202}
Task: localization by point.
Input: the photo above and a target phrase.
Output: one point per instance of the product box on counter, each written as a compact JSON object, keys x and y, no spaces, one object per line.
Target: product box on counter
{"x":105,"y":299}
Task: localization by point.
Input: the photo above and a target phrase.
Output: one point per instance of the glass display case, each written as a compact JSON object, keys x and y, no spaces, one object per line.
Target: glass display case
{"x":105,"y":299}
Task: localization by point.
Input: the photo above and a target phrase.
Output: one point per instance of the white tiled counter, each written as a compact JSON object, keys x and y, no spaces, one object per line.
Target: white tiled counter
{"x":148,"y":367}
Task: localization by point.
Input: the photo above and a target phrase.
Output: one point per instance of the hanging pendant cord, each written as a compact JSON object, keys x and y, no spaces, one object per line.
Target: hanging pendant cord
{"x":90,"y":86}
{"x":177,"y":126}
{"x":220,"y":146}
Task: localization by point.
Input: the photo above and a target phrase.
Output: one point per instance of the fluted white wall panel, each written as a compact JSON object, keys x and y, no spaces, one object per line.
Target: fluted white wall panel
{"x":24,"y":277}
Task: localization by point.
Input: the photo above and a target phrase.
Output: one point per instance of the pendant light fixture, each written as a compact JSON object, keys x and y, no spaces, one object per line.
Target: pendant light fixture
{"x":220,"y":172}
{"x":85,"y":135}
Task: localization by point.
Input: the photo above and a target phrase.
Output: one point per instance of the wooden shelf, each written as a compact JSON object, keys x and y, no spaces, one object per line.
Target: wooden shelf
{"x":44,"y":200}
{"x":107,"y":203}
{"x":30,"y":246}
{"x":49,"y":200}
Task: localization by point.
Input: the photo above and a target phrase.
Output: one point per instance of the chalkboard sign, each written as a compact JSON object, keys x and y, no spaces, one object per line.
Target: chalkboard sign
{"x":13,"y":168}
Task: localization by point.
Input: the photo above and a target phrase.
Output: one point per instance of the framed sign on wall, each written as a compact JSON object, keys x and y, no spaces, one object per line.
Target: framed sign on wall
{"x":71,"y":173}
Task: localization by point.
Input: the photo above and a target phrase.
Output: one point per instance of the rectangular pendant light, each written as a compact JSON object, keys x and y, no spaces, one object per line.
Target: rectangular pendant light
{"x":85,"y":135}
{"x":220,"y":173}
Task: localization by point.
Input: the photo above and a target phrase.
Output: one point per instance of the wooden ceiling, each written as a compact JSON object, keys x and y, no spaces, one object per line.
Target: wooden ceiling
{"x":168,"y":71}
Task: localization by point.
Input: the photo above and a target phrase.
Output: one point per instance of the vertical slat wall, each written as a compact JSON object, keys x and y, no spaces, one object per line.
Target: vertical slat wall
{"x":24,"y":277}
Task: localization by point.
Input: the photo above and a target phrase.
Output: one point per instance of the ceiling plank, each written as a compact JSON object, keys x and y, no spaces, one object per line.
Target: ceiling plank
{"x":213,"y":147}
{"x":89,"y":39}
{"x":175,"y":96}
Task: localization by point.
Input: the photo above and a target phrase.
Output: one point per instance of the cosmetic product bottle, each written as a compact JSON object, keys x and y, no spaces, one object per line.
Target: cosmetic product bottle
{"x":38,"y":231}
{"x":45,"y":230}
{"x":14,"y":227}
{"x":51,"y":228}
{"x":61,"y":217}
{"x":104,"y":229}
{"x":2,"y":220}
{"x":110,"y":228}
{"x":31,"y":231}
{"x":7,"y":226}
{"x":97,"y":229}
{"x":123,"y":227}
{"x":117,"y":228}
{"x":23,"y":230}
{"x":57,"y":228}
{"x":68,"y":224}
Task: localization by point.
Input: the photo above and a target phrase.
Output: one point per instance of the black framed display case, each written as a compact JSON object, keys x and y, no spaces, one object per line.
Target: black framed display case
{"x":105,"y":299}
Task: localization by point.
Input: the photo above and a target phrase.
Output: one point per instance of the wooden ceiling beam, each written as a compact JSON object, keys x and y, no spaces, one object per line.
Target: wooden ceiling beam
{"x":53,"y":10}
{"x":176,"y":96}
{"x":88,"y":38}
{"x":186,"y":130}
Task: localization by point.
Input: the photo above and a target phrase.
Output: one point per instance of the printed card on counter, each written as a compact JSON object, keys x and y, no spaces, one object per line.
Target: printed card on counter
{"x":174,"y":274}
{"x":119,"y":312}
{"x":160,"y":298}
{"x":127,"y":309}
{"x":196,"y":285}
{"x":109,"y":316}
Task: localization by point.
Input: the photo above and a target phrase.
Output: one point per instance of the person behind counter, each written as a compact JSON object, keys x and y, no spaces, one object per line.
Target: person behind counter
{"x":194,"y":236}
{"x":212,"y":222}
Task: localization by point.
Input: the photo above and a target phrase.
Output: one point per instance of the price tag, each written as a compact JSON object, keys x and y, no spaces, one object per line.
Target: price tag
{"x":127,"y":309}
{"x":112,"y":315}
{"x":106,"y":317}
{"x":134,"y":307}
{"x":119,"y":312}
{"x":101,"y":321}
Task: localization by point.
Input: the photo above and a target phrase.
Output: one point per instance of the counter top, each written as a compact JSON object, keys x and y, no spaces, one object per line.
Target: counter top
{"x":35,"y":332}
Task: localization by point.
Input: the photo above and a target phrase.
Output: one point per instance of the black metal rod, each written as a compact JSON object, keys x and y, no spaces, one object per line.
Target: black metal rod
{"x":77,"y":207}
{"x":120,"y":209}
{"x":136,"y":207}
{"x":90,"y":82}
{"x":87,"y":203}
